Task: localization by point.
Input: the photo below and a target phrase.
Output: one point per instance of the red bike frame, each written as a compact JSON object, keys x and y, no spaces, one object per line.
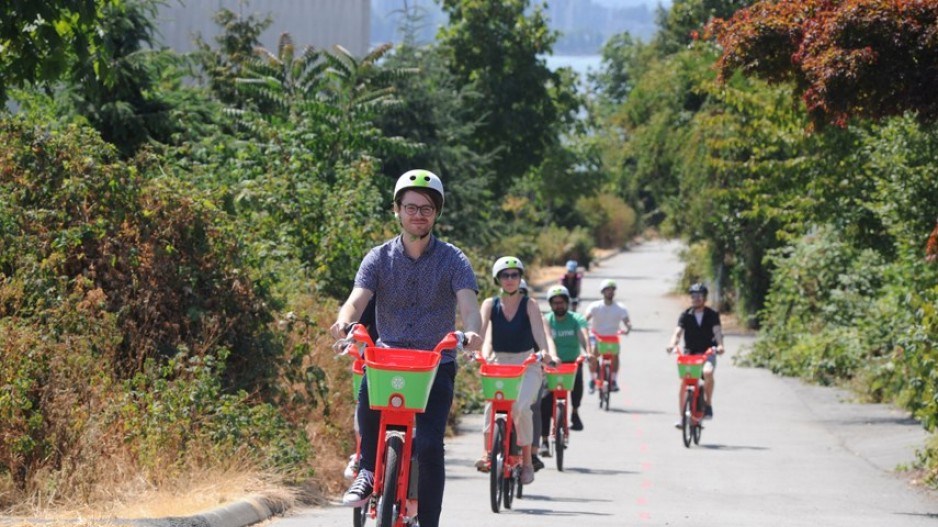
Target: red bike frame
{"x":396,"y":422}
{"x":603,"y":384}
{"x":560,"y":396}
{"x":691,"y":423}
{"x":502,"y":406}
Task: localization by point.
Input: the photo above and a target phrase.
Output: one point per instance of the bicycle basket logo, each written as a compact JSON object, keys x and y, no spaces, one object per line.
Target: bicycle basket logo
{"x":397,"y":382}
{"x":499,"y":384}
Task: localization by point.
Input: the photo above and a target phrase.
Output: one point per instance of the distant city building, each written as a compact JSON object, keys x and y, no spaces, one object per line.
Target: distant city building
{"x":319,"y":23}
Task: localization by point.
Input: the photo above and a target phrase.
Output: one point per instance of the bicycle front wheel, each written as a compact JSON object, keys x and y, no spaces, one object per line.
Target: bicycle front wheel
{"x":496,"y":464}
{"x":387,"y":502}
{"x":687,"y":421}
{"x":359,"y":516}
{"x":560,"y":437}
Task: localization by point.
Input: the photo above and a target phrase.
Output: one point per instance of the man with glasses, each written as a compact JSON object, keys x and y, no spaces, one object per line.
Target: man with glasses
{"x":419,"y":283}
{"x":700,"y":327}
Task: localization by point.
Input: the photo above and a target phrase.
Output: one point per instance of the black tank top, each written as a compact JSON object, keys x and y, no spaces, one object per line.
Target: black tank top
{"x":513,"y":336}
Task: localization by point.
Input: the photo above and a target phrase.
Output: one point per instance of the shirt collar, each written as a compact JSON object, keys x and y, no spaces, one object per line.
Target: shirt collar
{"x":398,"y":246}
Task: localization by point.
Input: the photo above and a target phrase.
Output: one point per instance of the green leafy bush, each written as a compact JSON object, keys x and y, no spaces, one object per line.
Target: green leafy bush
{"x":822,"y":292}
{"x":106,"y":273}
{"x":556,"y":245}
{"x":612,"y":221}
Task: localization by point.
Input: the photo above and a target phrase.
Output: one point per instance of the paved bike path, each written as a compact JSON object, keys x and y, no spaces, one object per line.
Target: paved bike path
{"x":777,"y":453}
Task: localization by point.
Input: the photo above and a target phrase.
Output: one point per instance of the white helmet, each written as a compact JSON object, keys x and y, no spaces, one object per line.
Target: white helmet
{"x":506,"y":262}
{"x":607,"y":284}
{"x":571,"y":266}
{"x":558,"y":290}
{"x":420,"y":179}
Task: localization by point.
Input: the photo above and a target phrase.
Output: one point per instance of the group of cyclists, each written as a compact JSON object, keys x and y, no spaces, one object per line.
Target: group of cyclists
{"x":413,"y":285}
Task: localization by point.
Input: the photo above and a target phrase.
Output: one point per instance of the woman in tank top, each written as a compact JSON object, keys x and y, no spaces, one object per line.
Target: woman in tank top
{"x":512,"y":328}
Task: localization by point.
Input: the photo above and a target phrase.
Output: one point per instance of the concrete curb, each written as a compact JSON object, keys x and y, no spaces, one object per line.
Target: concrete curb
{"x":242,"y":513}
{"x":248,"y":511}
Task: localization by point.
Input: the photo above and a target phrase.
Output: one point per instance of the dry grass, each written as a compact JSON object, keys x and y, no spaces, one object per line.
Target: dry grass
{"x":190,"y":494}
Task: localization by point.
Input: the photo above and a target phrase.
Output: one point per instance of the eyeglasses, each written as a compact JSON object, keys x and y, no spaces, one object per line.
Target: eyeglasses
{"x":509,"y":276}
{"x":425,"y":210}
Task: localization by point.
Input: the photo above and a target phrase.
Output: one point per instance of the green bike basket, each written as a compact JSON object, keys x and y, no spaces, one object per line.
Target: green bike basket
{"x":607,"y":344}
{"x":690,"y":366}
{"x":561,"y":377}
{"x":400,"y":379}
{"x":501,"y":382}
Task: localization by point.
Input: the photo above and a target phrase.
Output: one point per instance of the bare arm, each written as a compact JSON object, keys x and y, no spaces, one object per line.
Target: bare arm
{"x":543,"y":341}
{"x":584,"y":341}
{"x":485,"y":315}
{"x":628,"y":325}
{"x":468,"y":302}
{"x":718,"y":336}
{"x":676,"y":338}
{"x":351,"y":311}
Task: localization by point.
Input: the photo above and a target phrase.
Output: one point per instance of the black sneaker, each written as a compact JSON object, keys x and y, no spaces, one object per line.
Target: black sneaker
{"x":708,"y":412}
{"x":615,"y":386}
{"x":361,"y":489}
{"x":575,"y":423}
{"x":538,"y":464}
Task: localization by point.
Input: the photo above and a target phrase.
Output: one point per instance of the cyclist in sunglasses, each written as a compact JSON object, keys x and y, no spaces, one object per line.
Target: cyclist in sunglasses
{"x":512,"y":327}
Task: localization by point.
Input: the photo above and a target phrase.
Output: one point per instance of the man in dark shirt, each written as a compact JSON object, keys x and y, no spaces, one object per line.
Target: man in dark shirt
{"x":700,"y":327}
{"x":572,"y":280}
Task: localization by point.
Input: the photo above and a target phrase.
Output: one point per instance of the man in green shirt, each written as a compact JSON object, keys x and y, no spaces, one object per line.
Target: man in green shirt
{"x":568,"y":329}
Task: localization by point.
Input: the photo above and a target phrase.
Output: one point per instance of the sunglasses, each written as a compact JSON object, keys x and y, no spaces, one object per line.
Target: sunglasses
{"x":509,"y":276}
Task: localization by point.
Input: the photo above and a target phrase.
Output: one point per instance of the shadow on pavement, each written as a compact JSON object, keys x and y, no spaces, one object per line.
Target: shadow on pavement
{"x":922,"y":514}
{"x":733,"y":447}
{"x":637,"y":411}
{"x":548,"y":512}
{"x":880,"y":420}
{"x":536,"y":497}
{"x":598,"y":471}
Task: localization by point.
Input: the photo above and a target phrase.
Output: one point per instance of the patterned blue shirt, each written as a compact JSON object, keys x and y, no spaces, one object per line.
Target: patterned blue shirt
{"x":416,"y":304}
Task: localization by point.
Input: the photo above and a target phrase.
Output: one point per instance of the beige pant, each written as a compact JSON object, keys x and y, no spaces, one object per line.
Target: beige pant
{"x":521,"y":412}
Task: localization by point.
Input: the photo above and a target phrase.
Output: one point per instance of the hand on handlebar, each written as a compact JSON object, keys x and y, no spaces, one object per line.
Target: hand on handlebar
{"x":472,"y":341}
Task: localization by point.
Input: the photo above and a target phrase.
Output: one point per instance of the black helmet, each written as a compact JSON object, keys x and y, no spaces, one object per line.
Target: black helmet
{"x":698,"y":288}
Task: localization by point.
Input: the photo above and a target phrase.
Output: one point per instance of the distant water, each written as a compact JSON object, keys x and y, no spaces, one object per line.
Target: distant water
{"x":582,"y":64}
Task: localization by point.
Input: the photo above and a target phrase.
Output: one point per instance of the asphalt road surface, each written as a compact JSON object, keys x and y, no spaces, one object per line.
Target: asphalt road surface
{"x":777,"y":453}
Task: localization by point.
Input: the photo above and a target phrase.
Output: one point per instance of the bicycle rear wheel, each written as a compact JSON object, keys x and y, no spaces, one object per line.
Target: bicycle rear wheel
{"x":508,"y":492}
{"x":496,"y":464}
{"x":387,"y":502}
{"x":560,"y":422}
{"x":607,"y":383}
{"x":687,"y":422}
{"x":698,"y":427}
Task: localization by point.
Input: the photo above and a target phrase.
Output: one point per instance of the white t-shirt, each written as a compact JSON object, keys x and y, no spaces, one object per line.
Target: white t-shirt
{"x":604,"y":319}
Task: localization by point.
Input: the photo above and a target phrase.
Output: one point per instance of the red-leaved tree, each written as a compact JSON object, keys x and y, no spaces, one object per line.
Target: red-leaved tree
{"x":847,"y":58}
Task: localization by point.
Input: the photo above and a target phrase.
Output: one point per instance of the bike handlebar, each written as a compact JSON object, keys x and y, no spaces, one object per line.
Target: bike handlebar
{"x":358,"y":334}
{"x":712,"y":350}
{"x":537,"y":356}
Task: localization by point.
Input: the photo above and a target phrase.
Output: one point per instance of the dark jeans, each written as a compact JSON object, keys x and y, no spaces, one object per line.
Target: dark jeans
{"x":428,"y":442}
{"x":547,"y":403}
